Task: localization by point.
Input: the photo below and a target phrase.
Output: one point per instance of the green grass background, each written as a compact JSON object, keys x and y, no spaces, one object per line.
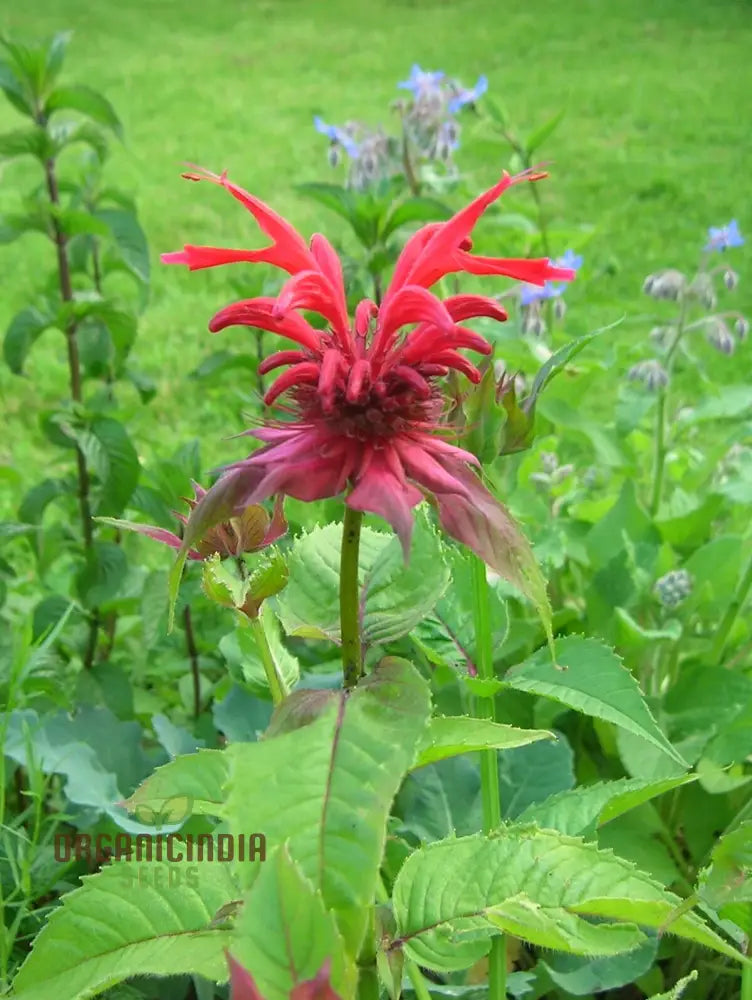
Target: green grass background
{"x":656,"y":146}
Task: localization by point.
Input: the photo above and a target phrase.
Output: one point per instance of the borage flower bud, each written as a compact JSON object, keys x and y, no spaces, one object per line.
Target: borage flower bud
{"x":651,"y":373}
{"x":673,"y":588}
{"x":366,"y":396}
{"x":730,"y":279}
{"x":741,"y":327}
{"x":719,"y":336}
{"x":668,"y":284}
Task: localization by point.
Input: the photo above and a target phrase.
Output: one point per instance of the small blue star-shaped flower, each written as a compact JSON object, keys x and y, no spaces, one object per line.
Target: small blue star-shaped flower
{"x":724,"y":237}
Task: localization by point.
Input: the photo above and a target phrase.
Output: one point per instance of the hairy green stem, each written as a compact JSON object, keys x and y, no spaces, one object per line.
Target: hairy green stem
{"x":732,"y":611}
{"x":190,"y":642}
{"x":659,"y":434}
{"x":489,"y":768}
{"x":416,"y":978}
{"x":352,"y":655}
{"x":746,"y":982}
{"x":277,"y":686}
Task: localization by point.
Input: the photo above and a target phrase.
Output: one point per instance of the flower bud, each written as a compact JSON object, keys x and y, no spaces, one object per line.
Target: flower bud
{"x":651,"y":373}
{"x":560,"y":308}
{"x":562,"y":473}
{"x":730,"y":279}
{"x":673,"y":588}
{"x":703,"y":290}
{"x":549,"y":461}
{"x":720,"y":337}
{"x":659,"y":333}
{"x":333,"y":155}
{"x":741,"y":327}
{"x":533,"y":324}
{"x":669,"y":284}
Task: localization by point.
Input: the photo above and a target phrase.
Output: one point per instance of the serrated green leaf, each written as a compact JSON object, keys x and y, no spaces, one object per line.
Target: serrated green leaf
{"x":728,"y":877}
{"x":22,"y":333}
{"x":87,"y":101}
{"x":36,"y":500}
{"x":580,"y":810}
{"x":536,"y":884}
{"x":327,"y":788}
{"x":448,"y":635}
{"x":221,"y":585}
{"x":198,"y":778}
{"x":394,"y":597}
{"x":448,"y":737}
{"x":285,"y":934}
{"x":676,"y":991}
{"x":15,"y":91}
{"x":581,"y":976}
{"x":591,"y":678}
{"x":102,"y":577}
{"x":131,"y":918}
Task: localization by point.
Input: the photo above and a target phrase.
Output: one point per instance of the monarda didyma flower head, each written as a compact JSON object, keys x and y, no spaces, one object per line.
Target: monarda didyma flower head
{"x":366,"y":396}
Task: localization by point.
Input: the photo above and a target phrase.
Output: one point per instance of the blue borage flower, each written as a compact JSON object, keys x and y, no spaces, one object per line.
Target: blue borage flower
{"x":532,"y":293}
{"x":421,"y":81}
{"x":338,"y":135}
{"x":724,"y":237}
{"x":468,"y":96}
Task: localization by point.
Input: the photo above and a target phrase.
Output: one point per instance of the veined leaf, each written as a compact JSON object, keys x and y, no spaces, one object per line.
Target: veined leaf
{"x":197,"y":777}
{"x":129,"y":238}
{"x":327,"y":788}
{"x":417,"y":209}
{"x":539,"y":136}
{"x":119,"y":469}
{"x":541,"y":886}
{"x":394,"y":597}
{"x":285,"y":934}
{"x":580,"y":810}
{"x":591,"y":678}
{"x":449,"y":737}
{"x":88,"y":102}
{"x":131,"y":918}
{"x":678,"y":990}
{"x":29,"y":141}
{"x":22,"y":333}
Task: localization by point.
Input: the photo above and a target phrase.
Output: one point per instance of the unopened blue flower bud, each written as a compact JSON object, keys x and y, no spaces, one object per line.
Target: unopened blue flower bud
{"x":668,"y":284}
{"x":673,"y":588}
{"x":741,"y":327}
{"x":719,"y":336}
{"x":650,"y":372}
{"x":730,"y":279}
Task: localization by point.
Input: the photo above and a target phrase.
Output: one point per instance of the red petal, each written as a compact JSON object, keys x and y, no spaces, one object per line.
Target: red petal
{"x":288,"y":250}
{"x":452,"y":359}
{"x":259,"y":312}
{"x":462,"y":307}
{"x":305,"y":372}
{"x":409,"y":304}
{"x":312,"y":290}
{"x":279,"y":359}
{"x":196,"y":257}
{"x":379,"y":491}
{"x":331,"y":267}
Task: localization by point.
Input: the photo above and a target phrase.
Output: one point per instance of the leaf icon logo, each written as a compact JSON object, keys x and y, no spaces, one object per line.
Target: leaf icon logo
{"x":168,"y":811}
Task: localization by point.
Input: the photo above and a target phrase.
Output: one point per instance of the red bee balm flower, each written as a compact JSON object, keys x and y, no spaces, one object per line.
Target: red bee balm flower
{"x":367,"y":394}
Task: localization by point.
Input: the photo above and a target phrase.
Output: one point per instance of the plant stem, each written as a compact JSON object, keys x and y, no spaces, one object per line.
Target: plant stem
{"x":416,"y":978}
{"x":484,"y":708}
{"x":659,"y":434}
{"x":732,"y":611}
{"x":412,"y":180}
{"x":190,"y":642}
{"x":74,"y":376}
{"x":276,"y":684}
{"x":352,"y":655}
{"x":746,"y":983}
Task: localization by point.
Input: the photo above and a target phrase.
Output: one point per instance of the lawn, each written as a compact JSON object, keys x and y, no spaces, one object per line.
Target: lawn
{"x":654,"y":149}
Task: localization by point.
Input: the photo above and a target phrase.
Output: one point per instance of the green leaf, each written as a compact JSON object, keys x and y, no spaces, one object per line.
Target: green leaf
{"x":285,"y":934}
{"x":448,"y":737}
{"x":361,"y":210}
{"x":23,"y":331}
{"x":539,"y":136}
{"x":103,"y":574}
{"x":68,"y":133}
{"x":88,"y":102}
{"x":442,"y":799}
{"x":15,"y":90}
{"x":30,"y":141}
{"x":221,"y":585}
{"x":197,"y":779}
{"x":327,"y":788}
{"x":220,"y":362}
{"x":117,"y":465}
{"x":590,"y":678}
{"x":418,"y":209}
{"x":540,"y":886}
{"x":734,"y":402}
{"x":532,"y":773}
{"x":394,"y":597}
{"x":678,"y":990}
{"x":579,"y":811}
{"x":131,"y":918}
{"x":578,"y":976}
{"x":130,"y":240}
{"x":448,"y":636}
{"x":728,"y":877}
